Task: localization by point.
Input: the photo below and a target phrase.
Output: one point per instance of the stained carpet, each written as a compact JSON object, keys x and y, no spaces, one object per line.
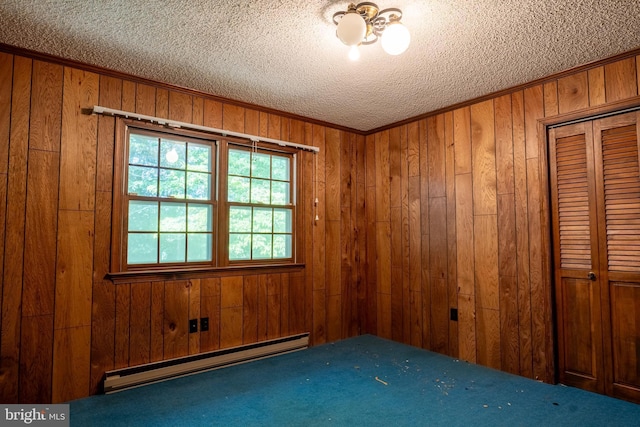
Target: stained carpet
{"x":361,"y":381}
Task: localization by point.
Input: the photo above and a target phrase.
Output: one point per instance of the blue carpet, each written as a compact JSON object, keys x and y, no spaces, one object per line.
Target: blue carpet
{"x":362,"y":381}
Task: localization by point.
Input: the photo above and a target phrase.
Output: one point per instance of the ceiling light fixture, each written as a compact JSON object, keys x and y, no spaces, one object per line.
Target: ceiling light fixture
{"x":364,"y":23}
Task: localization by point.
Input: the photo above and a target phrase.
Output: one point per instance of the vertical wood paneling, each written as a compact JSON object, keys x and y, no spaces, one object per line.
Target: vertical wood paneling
{"x":157,"y":321}
{"x":14,"y":234}
{"x":620,"y":80}
{"x":78,"y":149}
{"x":522,"y":236}
{"x":140,"y":324}
{"x":36,"y":364}
{"x":485,"y":238}
{"x":73,"y":269}
{"x":71,"y":354}
{"x":452,"y":263}
{"x":484,"y":158}
{"x":573,"y":93}
{"x":194,"y":314}
{"x":122,"y":328}
{"x":210,"y":308}
{"x":462,"y":139}
{"x":231,"y":300}
{"x":596,"y":86}
{"x":550,"y":99}
{"x":176,"y":319}
{"x":40,"y":237}
{"x":442,"y":212}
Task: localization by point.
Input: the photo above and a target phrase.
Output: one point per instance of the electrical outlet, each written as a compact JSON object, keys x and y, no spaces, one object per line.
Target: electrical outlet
{"x":454,"y":314}
{"x":204,"y":324}
{"x":193,"y":326}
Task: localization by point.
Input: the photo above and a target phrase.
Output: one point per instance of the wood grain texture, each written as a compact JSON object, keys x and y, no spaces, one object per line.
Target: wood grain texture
{"x":232,"y":118}
{"x":40,"y":237}
{"x":145,"y":100}
{"x":36,"y":366}
{"x":210,"y":308}
{"x":383,"y":183}
{"x":14,"y":234}
{"x":464,"y":234}
{"x":522,"y":236}
{"x":140,"y":324}
{"x":483,"y":150}
{"x":504,"y":145}
{"x":488,"y":336}
{"x":620,"y":80}
{"x":73,"y":269}
{"x":533,"y":111}
{"x":332,"y":177}
{"x":573,"y":93}
{"x":6,"y":80}
{"x":46,"y":107}
{"x":78,"y":149}
{"x":180,"y":107}
{"x":485,"y":238}
{"x":176,"y":319}
{"x":71,"y":359}
{"x":550,"y":99}
{"x":436,"y":156}
{"x":123,"y":325}
{"x":462,"y":139}
{"x":596,"y":86}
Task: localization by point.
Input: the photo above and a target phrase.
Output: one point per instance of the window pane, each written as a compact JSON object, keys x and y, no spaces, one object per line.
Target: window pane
{"x":282,"y":220}
{"x":238,"y":189}
{"x":172,"y":183}
{"x":279,"y":193}
{"x":198,"y":157}
{"x":173,"y":217}
{"x":261,"y":248}
{"x":142,"y":248}
{"x":199,"y":218}
{"x":143,"y":150}
{"x":198,"y":186}
{"x":262,"y":220}
{"x":261,"y":166}
{"x":143,"y":216}
{"x":280,"y":168}
{"x":282,"y":246}
{"x":260,"y":191}
{"x":239,"y":162}
{"x":199,"y":247}
{"x":239,"y":219}
{"x":172,"y":247}
{"x":172,"y":154}
{"x":239,"y":246}
{"x":143,"y":181}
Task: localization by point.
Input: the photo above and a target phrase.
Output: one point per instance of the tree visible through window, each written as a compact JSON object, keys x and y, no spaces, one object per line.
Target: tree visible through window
{"x":259,"y":196}
{"x":192,"y":200}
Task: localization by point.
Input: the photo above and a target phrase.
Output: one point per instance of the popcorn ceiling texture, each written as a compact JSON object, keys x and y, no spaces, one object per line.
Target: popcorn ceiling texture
{"x":284,"y":54}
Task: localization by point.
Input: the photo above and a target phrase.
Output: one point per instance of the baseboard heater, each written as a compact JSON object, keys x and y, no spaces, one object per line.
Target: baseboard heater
{"x":135,"y":376}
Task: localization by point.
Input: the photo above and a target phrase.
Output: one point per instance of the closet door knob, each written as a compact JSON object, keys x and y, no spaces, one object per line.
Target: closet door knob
{"x":591,"y":276}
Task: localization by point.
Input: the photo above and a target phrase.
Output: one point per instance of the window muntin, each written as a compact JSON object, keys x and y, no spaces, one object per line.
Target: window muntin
{"x":169,"y":218}
{"x":260,"y":208}
{"x":170,"y":212}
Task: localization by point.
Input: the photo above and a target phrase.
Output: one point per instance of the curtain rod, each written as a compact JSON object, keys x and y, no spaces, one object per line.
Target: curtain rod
{"x":175,"y":124}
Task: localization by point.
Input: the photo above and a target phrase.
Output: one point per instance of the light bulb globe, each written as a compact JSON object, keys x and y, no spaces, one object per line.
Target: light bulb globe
{"x":351,"y":29}
{"x":396,"y":38}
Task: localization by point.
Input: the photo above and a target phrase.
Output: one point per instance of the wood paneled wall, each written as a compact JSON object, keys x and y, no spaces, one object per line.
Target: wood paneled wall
{"x":437,"y":214}
{"x":63,"y":324}
{"x":456,"y":220}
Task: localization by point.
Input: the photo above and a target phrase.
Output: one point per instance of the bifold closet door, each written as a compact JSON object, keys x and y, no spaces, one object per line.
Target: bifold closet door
{"x":595,"y":186}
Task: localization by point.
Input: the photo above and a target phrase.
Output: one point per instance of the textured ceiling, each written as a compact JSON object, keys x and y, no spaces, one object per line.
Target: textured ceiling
{"x":284,"y":54}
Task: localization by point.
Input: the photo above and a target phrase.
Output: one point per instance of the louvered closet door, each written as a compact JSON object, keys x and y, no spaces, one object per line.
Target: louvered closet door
{"x":577,"y":283}
{"x":618,"y":193}
{"x":595,"y":185}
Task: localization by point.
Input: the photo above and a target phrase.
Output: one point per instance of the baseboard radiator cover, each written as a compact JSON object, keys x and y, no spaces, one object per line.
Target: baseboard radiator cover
{"x":136,"y":376}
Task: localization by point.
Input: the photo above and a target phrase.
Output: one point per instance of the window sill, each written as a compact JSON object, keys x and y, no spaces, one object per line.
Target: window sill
{"x":200,"y":273}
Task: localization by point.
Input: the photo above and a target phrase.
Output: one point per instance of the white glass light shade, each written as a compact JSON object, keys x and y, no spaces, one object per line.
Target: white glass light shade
{"x":395,"y":38}
{"x":351,"y":29}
